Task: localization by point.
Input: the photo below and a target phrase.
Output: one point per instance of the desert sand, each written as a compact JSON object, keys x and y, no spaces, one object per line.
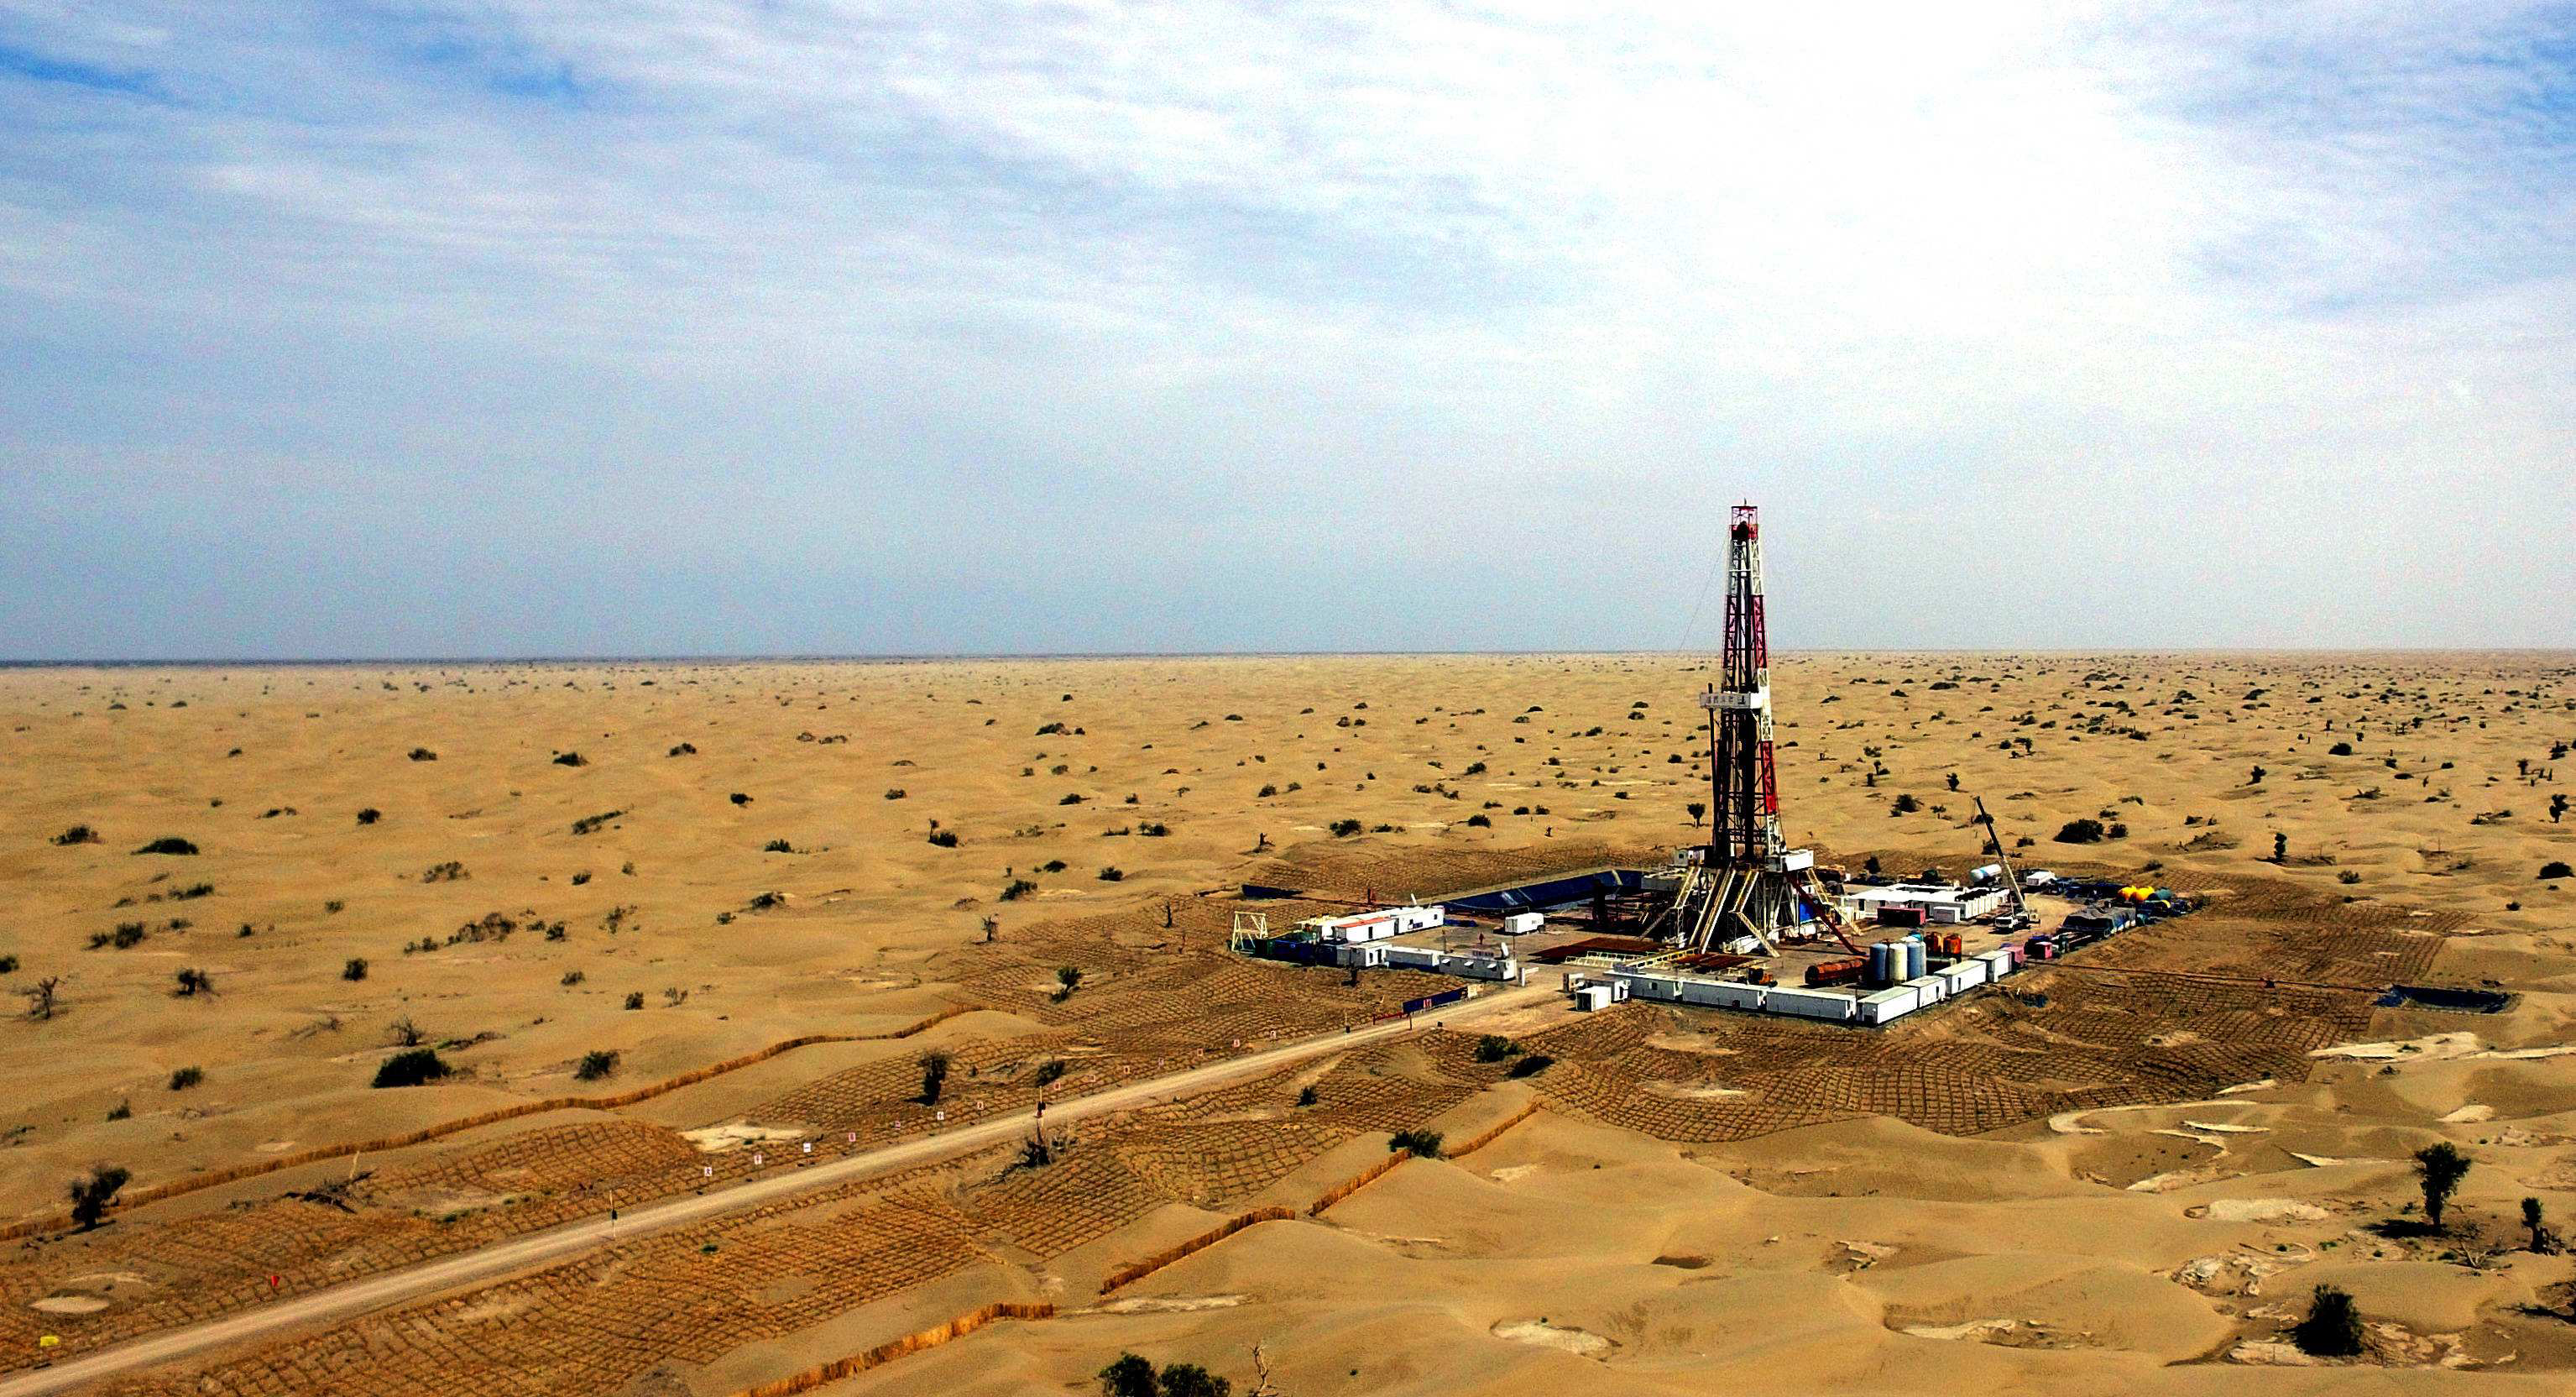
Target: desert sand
{"x":2130,"y":1184}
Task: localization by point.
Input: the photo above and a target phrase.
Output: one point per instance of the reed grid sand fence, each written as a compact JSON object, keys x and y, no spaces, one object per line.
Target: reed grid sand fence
{"x":214,"y":1178}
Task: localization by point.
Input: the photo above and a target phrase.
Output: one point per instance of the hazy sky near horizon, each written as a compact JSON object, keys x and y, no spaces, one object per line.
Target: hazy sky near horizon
{"x":694,"y":326}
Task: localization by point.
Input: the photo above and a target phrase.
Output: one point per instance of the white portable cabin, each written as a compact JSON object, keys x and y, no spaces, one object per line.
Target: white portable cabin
{"x":1962,"y":976}
{"x":1891,"y":1003}
{"x":1593,"y":997}
{"x":1366,"y":957}
{"x":1999,"y":963}
{"x":1932,"y":988}
{"x":1523,"y":923}
{"x":1807,"y":1004}
{"x":1378,"y":925}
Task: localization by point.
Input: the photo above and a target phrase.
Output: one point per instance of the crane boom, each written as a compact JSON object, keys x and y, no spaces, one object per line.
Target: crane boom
{"x":1994,"y":843}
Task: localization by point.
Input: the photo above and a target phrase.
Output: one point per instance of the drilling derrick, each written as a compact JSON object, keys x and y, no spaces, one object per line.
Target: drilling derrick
{"x":1747,"y":882}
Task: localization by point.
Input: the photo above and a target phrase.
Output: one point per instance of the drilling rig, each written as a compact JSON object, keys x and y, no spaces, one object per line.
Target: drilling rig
{"x":1746,"y":881}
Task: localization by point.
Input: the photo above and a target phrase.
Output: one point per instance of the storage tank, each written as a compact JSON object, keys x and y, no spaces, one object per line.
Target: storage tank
{"x":1882,"y":969}
{"x":1917,"y":958}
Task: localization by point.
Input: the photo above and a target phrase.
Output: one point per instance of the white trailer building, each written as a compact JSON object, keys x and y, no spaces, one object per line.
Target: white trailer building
{"x":1941,"y":904}
{"x":1379,"y":925}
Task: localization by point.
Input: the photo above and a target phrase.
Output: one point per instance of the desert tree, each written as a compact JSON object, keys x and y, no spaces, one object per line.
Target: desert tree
{"x":2438,"y":1171}
{"x":1698,"y":811}
{"x":934,"y":1075}
{"x":42,"y":996}
{"x":2535,"y":1220}
{"x":2280,"y":846}
{"x":1127,"y":1376}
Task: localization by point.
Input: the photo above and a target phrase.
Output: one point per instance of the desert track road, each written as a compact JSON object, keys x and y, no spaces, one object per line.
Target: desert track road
{"x":524,"y":1253}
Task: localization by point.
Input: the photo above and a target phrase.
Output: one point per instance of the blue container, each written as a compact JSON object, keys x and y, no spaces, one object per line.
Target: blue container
{"x":1882,"y":963}
{"x":1917,"y":961}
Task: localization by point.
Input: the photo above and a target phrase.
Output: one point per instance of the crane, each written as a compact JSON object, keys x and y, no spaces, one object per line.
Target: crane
{"x":1995,"y":844}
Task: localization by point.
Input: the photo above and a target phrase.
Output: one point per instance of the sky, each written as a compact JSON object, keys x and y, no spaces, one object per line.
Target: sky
{"x":556,"y":328}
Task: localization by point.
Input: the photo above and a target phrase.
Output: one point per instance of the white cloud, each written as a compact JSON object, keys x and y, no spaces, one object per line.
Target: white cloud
{"x":1371,"y":260}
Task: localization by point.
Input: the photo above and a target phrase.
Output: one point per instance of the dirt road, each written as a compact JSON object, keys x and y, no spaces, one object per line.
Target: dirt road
{"x":526,"y":1253}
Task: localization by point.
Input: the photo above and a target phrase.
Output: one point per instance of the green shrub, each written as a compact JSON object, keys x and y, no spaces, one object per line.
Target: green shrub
{"x":412,"y":1067}
{"x":2080,"y":832}
{"x":595,"y":1065}
{"x":2332,"y":1328}
{"x":1494,"y":1047}
{"x":168,"y":844}
{"x":355,"y":968}
{"x":1425,"y":1144}
{"x":186,"y":1077}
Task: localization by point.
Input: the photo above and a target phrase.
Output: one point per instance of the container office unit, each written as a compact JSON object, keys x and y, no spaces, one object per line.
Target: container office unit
{"x":1894,"y":1002}
{"x":1378,"y":925}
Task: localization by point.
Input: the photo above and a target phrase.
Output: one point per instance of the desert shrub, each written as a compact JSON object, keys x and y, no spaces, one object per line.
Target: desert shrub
{"x":1425,"y":1144}
{"x":168,"y":844}
{"x":1191,"y":1380}
{"x":1129,"y":1376}
{"x":934,"y":1076}
{"x":1049,"y":1071}
{"x":778,"y":846}
{"x":355,"y":968}
{"x":413,"y":1067}
{"x":8,"y":965}
{"x":1111,"y":873}
{"x":685,"y":749}
{"x":1052,"y":866}
{"x":2080,"y":832}
{"x":896,"y":793}
{"x":1153,"y":829}
{"x":1071,"y":798}
{"x":370,"y":815}
{"x":1306,"y":1096}
{"x":1905,"y":804}
{"x":92,"y":1192}
{"x":1480,"y":822}
{"x":595,"y":1064}
{"x":2557,"y":868}
{"x":192,"y":892}
{"x":77,"y":834}
{"x":1018,"y":888}
{"x":943,"y":838}
{"x":1266,"y":793}
{"x":573,"y":977}
{"x":1068,"y":978}
{"x":2116,"y":830}
{"x":122,"y":1110}
{"x":1531,"y":1065}
{"x":590,"y":824}
{"x":1343,"y":829}
{"x":2340,"y":749}
{"x":2332,"y":1328}
{"x":186,"y":1077}
{"x":571,"y":759}
{"x":1494,"y":1047}
{"x":193,"y":981}
{"x":423,"y":754}
{"x":635,"y":999}
{"x":738,"y":798}
{"x":448,"y":872}
{"x":2348,"y":877}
